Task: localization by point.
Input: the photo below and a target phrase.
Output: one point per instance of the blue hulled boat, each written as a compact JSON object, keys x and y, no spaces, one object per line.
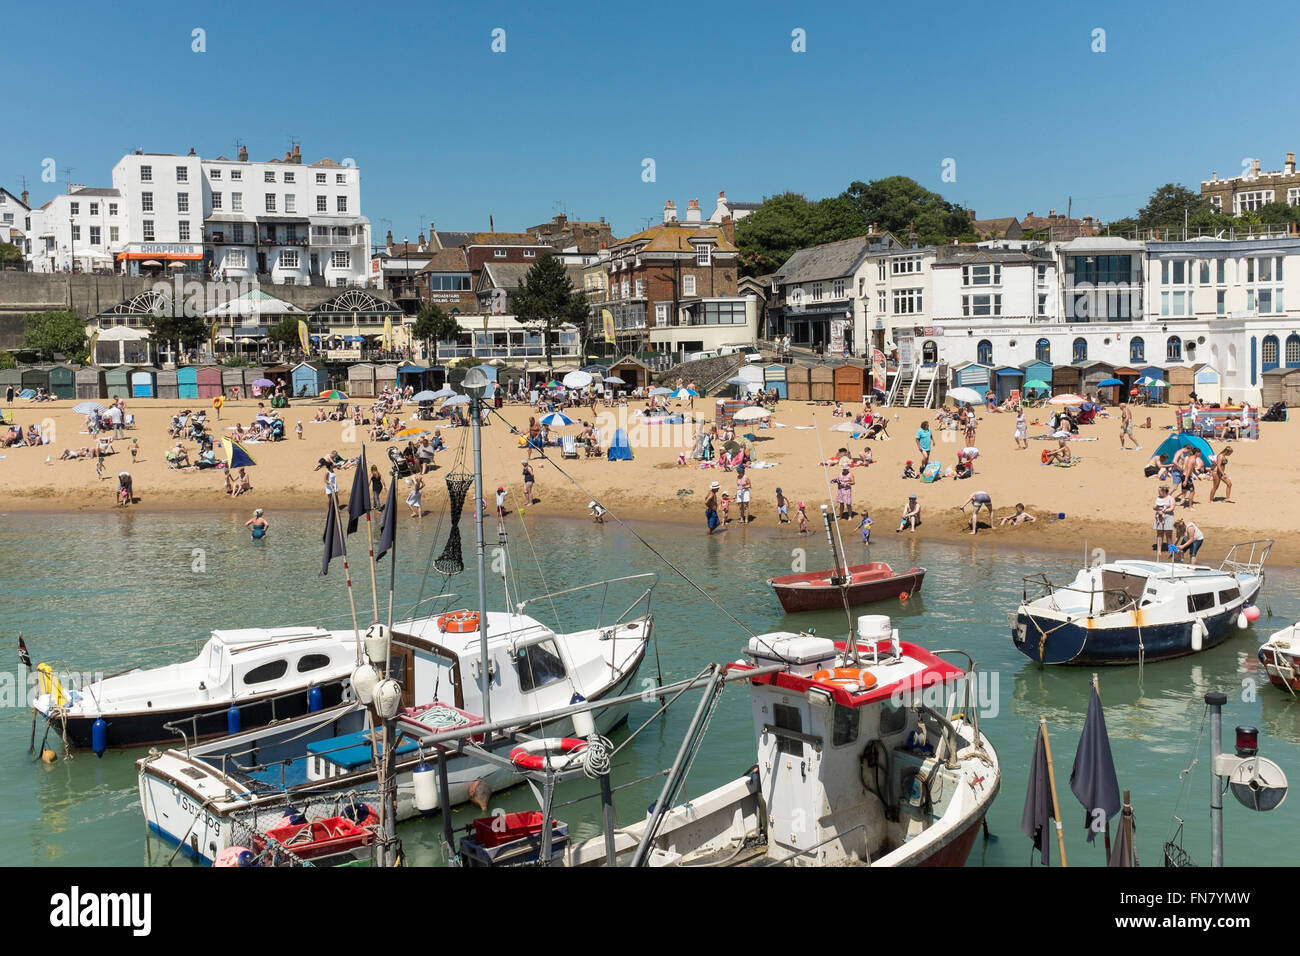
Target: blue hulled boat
{"x":1126,"y":612}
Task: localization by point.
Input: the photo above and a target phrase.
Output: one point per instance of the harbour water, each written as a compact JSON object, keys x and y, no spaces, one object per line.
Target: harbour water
{"x":101,"y":592}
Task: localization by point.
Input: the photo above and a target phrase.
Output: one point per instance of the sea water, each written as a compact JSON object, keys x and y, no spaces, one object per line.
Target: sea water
{"x":97,"y":593}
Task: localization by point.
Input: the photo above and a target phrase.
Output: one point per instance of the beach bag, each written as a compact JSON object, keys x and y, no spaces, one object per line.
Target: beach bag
{"x":1047,"y":456}
{"x":1150,"y":470}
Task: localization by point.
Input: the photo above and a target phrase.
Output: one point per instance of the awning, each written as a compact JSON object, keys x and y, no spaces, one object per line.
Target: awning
{"x":1009,"y":372}
{"x":150,"y":257}
{"x":250,"y":333}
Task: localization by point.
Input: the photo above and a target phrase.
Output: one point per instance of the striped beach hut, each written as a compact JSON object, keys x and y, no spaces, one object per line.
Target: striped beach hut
{"x":972,"y":375}
{"x":1094,"y":373}
{"x":90,"y":383}
{"x":774,"y":377}
{"x":168,"y":383}
{"x":63,"y":381}
{"x":187,"y":382}
{"x":208,"y":381}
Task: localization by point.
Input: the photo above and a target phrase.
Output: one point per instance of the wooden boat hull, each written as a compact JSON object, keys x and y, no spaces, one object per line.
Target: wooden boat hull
{"x":813,"y":590}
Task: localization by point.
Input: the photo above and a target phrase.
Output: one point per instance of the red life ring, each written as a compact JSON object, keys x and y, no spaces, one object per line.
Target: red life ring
{"x":532,"y":755}
{"x":459,"y":622}
{"x":855,"y":680}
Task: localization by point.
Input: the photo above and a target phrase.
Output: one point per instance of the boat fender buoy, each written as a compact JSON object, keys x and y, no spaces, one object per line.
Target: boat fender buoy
{"x":293,"y":817}
{"x":99,"y":736}
{"x":1252,"y":613}
{"x":1199,"y":633}
{"x":855,"y":680}
{"x":234,"y":720}
{"x":315,"y":699}
{"x":426,"y":794}
{"x":48,"y":755}
{"x":362,"y":814}
{"x":903,"y":596}
{"x":532,"y":755}
{"x":235,"y":856}
{"x":1242,"y":623}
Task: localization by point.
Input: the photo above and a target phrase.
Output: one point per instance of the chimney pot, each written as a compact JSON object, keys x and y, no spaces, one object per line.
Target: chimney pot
{"x":243,"y":154}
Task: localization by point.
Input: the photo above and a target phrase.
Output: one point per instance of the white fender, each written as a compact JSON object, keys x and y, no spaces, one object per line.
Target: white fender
{"x":1199,"y":633}
{"x":1241,"y":620}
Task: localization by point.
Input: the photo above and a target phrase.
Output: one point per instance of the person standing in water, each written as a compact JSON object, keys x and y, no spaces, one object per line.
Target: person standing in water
{"x":258,"y":524}
{"x":711,"y":507}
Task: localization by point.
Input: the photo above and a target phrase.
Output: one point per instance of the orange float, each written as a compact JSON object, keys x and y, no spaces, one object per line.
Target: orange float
{"x":855,"y":680}
{"x":459,"y":622}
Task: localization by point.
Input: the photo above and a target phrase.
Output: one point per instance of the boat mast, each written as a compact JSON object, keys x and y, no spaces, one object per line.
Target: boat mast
{"x":476,"y":385}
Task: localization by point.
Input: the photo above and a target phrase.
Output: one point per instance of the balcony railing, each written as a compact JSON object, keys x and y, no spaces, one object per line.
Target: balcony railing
{"x":558,"y":351}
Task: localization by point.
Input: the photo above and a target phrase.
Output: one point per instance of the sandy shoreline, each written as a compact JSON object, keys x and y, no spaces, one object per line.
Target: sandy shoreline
{"x":1106,"y":499}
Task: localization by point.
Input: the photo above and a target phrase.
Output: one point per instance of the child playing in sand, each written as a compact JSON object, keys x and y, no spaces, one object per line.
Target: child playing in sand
{"x":865,"y":527}
{"x":909,"y":471}
{"x":803,"y":518}
{"x":781,"y":508}
{"x":596,"y":511}
{"x":299,"y":430}
{"x":1020,"y":517}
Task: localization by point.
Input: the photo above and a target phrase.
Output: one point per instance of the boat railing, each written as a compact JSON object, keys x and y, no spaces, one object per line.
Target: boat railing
{"x":411,"y":613}
{"x":970,"y":697}
{"x":192,"y":721}
{"x":642,"y":598}
{"x":1037,"y":586}
{"x":1247,"y":557}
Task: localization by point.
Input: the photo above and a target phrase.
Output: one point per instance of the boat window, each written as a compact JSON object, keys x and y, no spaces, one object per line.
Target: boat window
{"x":538,"y":665}
{"x":1229,"y":595}
{"x":846,"y":725}
{"x":788,"y":718}
{"x":1200,"y":602}
{"x":266,"y":672}
{"x":312,"y":662}
{"x":893,"y":719}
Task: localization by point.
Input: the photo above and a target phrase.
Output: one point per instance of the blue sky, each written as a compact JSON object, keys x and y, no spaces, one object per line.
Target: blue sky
{"x":446,"y":130}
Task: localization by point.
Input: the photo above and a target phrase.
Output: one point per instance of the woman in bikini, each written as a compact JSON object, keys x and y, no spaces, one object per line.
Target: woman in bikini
{"x":1219,"y":473}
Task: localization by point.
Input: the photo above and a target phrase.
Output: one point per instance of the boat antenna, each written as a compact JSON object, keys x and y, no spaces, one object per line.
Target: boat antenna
{"x":833,"y":523}
{"x":476,"y":385}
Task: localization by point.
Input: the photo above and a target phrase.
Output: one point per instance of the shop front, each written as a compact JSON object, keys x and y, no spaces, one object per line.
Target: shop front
{"x":162,"y":260}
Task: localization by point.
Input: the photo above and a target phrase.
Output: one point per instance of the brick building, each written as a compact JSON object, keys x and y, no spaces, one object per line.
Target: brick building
{"x":1253,"y":189}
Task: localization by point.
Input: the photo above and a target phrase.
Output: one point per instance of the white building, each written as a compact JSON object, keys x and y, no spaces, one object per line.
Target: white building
{"x":727,"y":207}
{"x":895,"y":292}
{"x":16,"y":221}
{"x":80,"y":229}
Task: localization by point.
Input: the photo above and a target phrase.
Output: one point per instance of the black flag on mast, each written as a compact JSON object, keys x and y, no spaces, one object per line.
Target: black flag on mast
{"x":388,"y":531}
{"x":23,"y":656}
{"x":359,"y":501}
{"x":334,"y":546}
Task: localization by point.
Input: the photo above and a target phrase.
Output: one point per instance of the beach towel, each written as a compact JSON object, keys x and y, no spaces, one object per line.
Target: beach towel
{"x":1067,"y":464}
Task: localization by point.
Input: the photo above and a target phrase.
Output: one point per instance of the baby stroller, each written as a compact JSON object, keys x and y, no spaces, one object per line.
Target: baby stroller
{"x":403,"y":465}
{"x":277,"y":430}
{"x":1276,"y":413}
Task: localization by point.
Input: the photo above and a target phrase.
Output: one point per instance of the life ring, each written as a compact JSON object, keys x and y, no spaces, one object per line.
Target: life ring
{"x":218,"y":401}
{"x":459,"y":622}
{"x":855,"y":680}
{"x":532,"y":754}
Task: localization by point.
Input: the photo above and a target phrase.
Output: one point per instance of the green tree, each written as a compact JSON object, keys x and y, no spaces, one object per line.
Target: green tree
{"x":547,"y":300}
{"x":285,"y":334}
{"x":1168,"y":205}
{"x":10,"y":255}
{"x":176,"y":329}
{"x":432,"y":324}
{"x":56,"y":333}
{"x":898,"y":204}
{"x":788,"y":222}
{"x":7,"y":360}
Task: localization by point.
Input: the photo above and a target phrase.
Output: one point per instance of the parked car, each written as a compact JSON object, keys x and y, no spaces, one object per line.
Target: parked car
{"x":751,"y":353}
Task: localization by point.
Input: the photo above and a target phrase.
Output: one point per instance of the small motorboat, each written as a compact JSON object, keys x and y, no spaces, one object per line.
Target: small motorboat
{"x":863,"y":584}
{"x":1127,"y":612}
{"x":1280,"y":657}
{"x":242,"y":678}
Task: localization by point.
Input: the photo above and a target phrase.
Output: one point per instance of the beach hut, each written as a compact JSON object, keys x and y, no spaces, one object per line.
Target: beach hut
{"x":1154,"y":372}
{"x":972,"y":375}
{"x":187,"y":382}
{"x":11,"y":376}
{"x":774,"y":377}
{"x":1291,"y":387}
{"x":208,"y":381}
{"x":1182,"y":382}
{"x":117,"y":382}
{"x":619,"y":449}
{"x":233,"y":378}
{"x":416,"y":376}
{"x":252,"y":375}
{"x":633,"y":372}
{"x":850,"y":383}
{"x":752,"y":374}
{"x":1040,"y":370}
{"x":798,"y":383}
{"x":1209,"y":384}
{"x":361,"y":380}
{"x":1273,"y":386}
{"x":90,"y":383}
{"x":309,"y":380}
{"x":821,"y":383}
{"x":168,"y":383}
{"x":63,"y":381}
{"x":1066,"y":379}
{"x":36,"y":377}
{"x":386,"y":377}
{"x":1006,"y":379}
{"x":144,"y":383}
{"x":1092,"y":374}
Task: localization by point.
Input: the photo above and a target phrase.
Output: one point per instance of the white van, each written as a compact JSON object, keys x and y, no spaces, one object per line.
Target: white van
{"x":751,"y":353}
{"x":696,"y":356}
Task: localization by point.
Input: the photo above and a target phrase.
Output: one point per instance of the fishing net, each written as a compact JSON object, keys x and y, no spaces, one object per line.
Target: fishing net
{"x":451,"y":561}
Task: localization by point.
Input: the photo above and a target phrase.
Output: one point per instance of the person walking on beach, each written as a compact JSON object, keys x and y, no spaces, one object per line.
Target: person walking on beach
{"x":258,"y":524}
{"x":844,"y":493}
{"x":1219,"y":473}
{"x":331,"y":479}
{"x":414,"y":496}
{"x":1164,"y":521}
{"x":803,"y":518}
{"x":979,"y":499}
{"x":1126,"y":427}
{"x":742,"y":493}
{"x":529,"y":478}
{"x":1022,"y":431}
{"x":911,"y":514}
{"x":711,"y":507}
{"x":9,"y":395}
{"x":782,"y":507}
{"x":376,"y":488}
{"x":923,"y":441}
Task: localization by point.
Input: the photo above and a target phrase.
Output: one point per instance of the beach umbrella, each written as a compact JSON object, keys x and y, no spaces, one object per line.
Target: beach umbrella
{"x":88,"y":408}
{"x":964,"y":394}
{"x":614,"y":380}
{"x":556,"y":418}
{"x":1145,"y":380}
{"x":661,"y":391}
{"x":428,"y":396}
{"x":595,"y":369}
{"x":685,"y":393}
{"x":263,"y":383}
{"x":738,"y":381}
{"x":577,"y":380}
{"x":456,"y":400}
{"x":27,"y":393}
{"x":750,"y":414}
{"x":1037,"y":383}
{"x":236,"y":455}
{"x":1171,"y":445}
{"x":1066,"y":400}
{"x":1093,"y":777}
{"x":554,"y":384}
{"x":1159,"y":383}
{"x":333,"y":394}
{"x":443,"y":392}
{"x":731,"y":447}
{"x":1108,"y":382}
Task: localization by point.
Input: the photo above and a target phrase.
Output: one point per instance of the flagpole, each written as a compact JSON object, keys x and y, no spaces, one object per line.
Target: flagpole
{"x":1051,"y":779}
{"x":370,"y":540}
{"x":1096,"y":685}
{"x":347,"y":574}
{"x":392,"y":558}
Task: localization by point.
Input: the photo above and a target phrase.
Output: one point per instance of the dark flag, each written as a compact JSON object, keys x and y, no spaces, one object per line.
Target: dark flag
{"x":359,"y":501}
{"x":1093,"y":777}
{"x":22,"y":652}
{"x":1036,"y":822}
{"x":334,"y":546}
{"x":388,"y":531}
{"x":1122,"y":853}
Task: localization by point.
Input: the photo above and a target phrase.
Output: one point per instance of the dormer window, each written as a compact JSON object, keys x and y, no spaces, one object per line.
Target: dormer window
{"x":499,"y":253}
{"x":702,"y":254}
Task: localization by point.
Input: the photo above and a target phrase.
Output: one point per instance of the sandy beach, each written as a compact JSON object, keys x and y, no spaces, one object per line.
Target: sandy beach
{"x":1106,"y":501}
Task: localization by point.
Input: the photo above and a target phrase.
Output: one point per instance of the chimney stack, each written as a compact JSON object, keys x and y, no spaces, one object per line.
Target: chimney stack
{"x":729,"y":229}
{"x":1289,"y":168}
{"x":420,"y":247}
{"x":243,"y":154}
{"x":388,"y":243}
{"x":693,"y":211}
{"x":26,"y":202}
{"x":1051,"y":214}
{"x":1254,"y":169}
{"x":191,"y":151}
{"x":670,"y":211}
{"x":1214,"y":176}
{"x":297,"y":154}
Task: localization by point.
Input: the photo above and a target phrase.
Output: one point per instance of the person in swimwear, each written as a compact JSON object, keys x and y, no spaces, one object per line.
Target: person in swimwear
{"x":258,"y":524}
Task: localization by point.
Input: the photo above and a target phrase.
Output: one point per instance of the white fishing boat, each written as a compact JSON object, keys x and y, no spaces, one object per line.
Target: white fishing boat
{"x":1280,"y":657}
{"x":873,"y":758}
{"x":192,"y":794}
{"x":241,"y":679}
{"x":1127,"y":612}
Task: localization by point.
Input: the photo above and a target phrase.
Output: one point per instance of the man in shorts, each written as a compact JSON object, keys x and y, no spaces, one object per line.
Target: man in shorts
{"x":923,"y":442}
{"x":1126,"y":427}
{"x":979,"y":499}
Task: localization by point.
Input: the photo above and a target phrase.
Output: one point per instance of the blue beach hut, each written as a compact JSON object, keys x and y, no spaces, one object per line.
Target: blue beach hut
{"x":774,"y":377}
{"x":309,"y":380}
{"x":187,"y":382}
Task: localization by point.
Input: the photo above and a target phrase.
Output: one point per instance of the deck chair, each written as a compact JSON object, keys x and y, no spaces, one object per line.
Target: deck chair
{"x":568,"y":446}
{"x":1013,"y":399}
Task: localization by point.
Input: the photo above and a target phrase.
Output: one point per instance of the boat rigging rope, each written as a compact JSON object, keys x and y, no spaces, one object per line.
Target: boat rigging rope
{"x":596,"y":758}
{"x":850,"y":643}
{"x":632,"y":531}
{"x":1185,"y":775}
